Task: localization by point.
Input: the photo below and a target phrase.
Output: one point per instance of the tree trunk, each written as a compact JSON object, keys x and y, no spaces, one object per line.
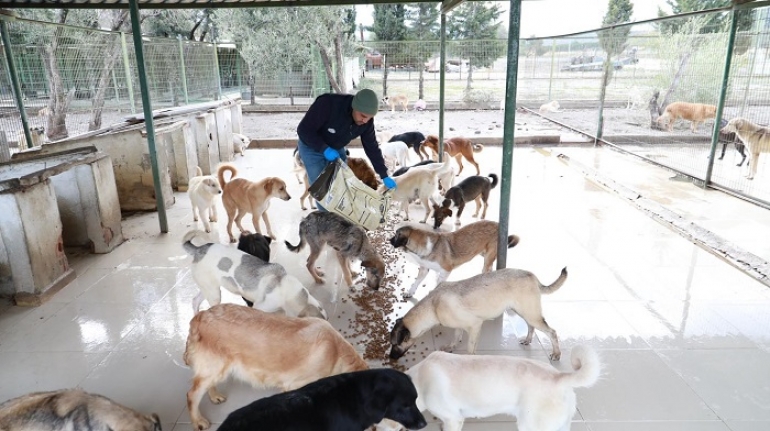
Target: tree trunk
{"x":97,"y":103}
{"x":340,"y":63}
{"x":421,"y":85}
{"x":56,"y":126}
{"x":606,"y":74}
{"x":328,"y":67}
{"x":384,"y":75}
{"x":675,"y":82}
{"x":252,"y":89}
{"x":470,"y":77}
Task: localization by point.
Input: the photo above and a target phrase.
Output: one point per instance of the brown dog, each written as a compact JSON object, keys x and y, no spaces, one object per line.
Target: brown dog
{"x":456,"y":147}
{"x":397,"y":100}
{"x":241,"y":196}
{"x":363,"y":172}
{"x":695,"y":112}
{"x":755,"y":137}
{"x":264,"y":349}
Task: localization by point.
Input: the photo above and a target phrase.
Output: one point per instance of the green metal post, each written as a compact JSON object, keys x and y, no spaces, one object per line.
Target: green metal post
{"x":15,"y":81}
{"x":136,"y":30}
{"x":184,"y":71}
{"x":553,"y":63}
{"x":722,"y":96}
{"x":127,"y":71}
{"x":216,"y":67}
{"x":441,"y":84}
{"x":508,"y":131}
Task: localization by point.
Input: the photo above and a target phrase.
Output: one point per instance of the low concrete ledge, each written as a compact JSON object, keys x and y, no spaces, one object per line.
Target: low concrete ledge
{"x":546,"y":139}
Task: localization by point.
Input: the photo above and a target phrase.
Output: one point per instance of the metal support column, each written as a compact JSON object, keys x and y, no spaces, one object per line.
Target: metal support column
{"x":136,"y":30}
{"x":15,"y":81}
{"x":441,"y":84}
{"x":509,"y":123}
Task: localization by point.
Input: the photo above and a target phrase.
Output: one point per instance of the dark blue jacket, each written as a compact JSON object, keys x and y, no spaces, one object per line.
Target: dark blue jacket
{"x":329,"y":123}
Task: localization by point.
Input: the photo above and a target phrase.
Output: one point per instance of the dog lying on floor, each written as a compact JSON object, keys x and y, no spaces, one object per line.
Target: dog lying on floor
{"x":756,"y":138}
{"x":466,"y":304}
{"x":455,"y":387}
{"x":241,"y":196}
{"x":203,"y":191}
{"x":456,"y":147}
{"x":72,"y":410}
{"x":472,"y":188}
{"x":694,"y":112}
{"x":345,"y":402}
{"x":266,"y":285}
{"x":347,"y":239}
{"x":263,"y":349}
{"x":445,"y":251}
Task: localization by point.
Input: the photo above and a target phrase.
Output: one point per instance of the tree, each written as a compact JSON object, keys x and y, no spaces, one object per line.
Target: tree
{"x":714,"y":22}
{"x":192,"y":24}
{"x":613,"y":42}
{"x":474,"y":25}
{"x":389,"y":25}
{"x":423,"y":26}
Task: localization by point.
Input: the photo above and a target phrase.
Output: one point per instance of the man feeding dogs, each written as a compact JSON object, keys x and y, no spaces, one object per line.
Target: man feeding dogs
{"x":331,"y":122}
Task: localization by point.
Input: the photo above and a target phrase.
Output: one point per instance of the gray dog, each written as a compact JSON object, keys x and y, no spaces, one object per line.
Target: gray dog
{"x":348,"y":239}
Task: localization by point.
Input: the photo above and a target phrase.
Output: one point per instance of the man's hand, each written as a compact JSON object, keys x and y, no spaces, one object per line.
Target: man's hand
{"x":331,"y":154}
{"x":389,"y":182}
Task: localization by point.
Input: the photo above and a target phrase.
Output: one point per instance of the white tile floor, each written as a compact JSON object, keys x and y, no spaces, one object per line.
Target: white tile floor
{"x":684,"y":337}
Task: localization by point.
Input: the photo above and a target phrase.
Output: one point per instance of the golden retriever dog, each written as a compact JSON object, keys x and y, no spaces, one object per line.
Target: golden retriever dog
{"x":456,"y":147}
{"x":418,"y":183}
{"x":455,"y":387}
{"x":445,"y":251}
{"x":203,"y":191}
{"x":397,"y":100}
{"x":241,"y":196}
{"x":263,"y":349}
{"x":70,"y":410}
{"x":694,"y":112}
{"x":464,"y":305}
{"x":363,"y":172}
{"x":756,"y":138}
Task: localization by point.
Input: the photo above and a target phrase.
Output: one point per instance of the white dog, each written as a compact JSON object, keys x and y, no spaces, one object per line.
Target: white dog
{"x":552,"y":106}
{"x":418,"y":183}
{"x":420,"y":105}
{"x":755,"y":137}
{"x":267,"y":285}
{"x":394,"y":153}
{"x":240,"y":143}
{"x":455,"y":387}
{"x":203,"y":191}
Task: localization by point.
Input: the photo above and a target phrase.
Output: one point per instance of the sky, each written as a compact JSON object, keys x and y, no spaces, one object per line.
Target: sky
{"x":554,"y":17}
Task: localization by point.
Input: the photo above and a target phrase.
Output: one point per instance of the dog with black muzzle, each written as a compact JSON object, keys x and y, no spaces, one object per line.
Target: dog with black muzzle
{"x":472,"y":188}
{"x":347,"y":239}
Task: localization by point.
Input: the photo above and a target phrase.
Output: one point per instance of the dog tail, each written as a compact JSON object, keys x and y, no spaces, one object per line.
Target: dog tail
{"x":545,"y":290}
{"x":477,"y":148}
{"x":193,"y":338}
{"x":189,"y":247}
{"x":586,"y":365}
{"x":494,"y":180}
{"x":198,"y":171}
{"x":298,"y":247}
{"x":221,"y":174}
{"x":512,"y":241}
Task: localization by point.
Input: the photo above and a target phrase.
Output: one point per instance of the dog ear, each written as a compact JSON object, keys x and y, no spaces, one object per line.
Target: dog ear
{"x":269,"y":186}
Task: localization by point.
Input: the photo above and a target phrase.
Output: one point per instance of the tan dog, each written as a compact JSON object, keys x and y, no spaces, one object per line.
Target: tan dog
{"x":397,"y":100}
{"x":72,"y":409}
{"x":203,"y":191}
{"x":263,"y":349}
{"x":417,"y":183}
{"x":755,"y":137}
{"x":363,"y":172}
{"x":37,"y":134}
{"x":552,"y":106}
{"x":241,"y":196}
{"x":466,"y":304}
{"x":445,"y":251}
{"x":695,"y":112}
{"x":240,"y":143}
{"x":456,"y":147}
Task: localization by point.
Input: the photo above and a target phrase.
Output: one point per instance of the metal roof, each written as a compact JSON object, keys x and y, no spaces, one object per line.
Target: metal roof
{"x":198,"y":4}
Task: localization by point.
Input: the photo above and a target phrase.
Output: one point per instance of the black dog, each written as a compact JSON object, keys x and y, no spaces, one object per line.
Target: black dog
{"x":412,"y":140}
{"x":472,"y":188}
{"x":257,"y":245}
{"x":402,"y":170}
{"x":730,"y":138}
{"x":345,"y":402}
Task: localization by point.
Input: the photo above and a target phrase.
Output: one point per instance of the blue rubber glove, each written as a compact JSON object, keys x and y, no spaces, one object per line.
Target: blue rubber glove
{"x":331,"y":154}
{"x":389,"y":183}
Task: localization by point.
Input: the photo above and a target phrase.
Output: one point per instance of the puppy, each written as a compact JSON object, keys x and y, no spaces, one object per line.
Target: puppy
{"x":263,"y":349}
{"x":420,"y":105}
{"x":455,"y":387}
{"x":412,"y":140}
{"x":241,"y":196}
{"x":394,"y":153}
{"x":37,"y":134}
{"x":363,"y":172}
{"x":552,"y":106}
{"x":347,"y":239}
{"x":240,"y":143}
{"x":416,"y":184}
{"x":397,"y":100}
{"x":346,"y":402}
{"x":256,"y":245}
{"x":445,"y":251}
{"x":730,"y":138}
{"x":756,"y":138}
{"x":694,"y":112}
{"x":457,"y":148}
{"x":472,"y":188}
{"x":466,"y":304}
{"x":203,"y":191}
{"x":266,"y":285}
{"x":69,"y":410}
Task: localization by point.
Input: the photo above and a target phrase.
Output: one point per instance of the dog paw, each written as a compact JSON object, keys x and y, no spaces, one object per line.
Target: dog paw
{"x":202,"y":424}
{"x":208,"y":230}
{"x":320,"y":272}
{"x":448,"y":348}
{"x":233,"y":240}
{"x":524,"y":342}
{"x":214,"y":219}
{"x":218,"y":399}
{"x":555,"y":356}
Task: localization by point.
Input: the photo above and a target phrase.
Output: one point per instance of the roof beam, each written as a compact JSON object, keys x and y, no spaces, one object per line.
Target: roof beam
{"x":448,"y":5}
{"x":188,"y":4}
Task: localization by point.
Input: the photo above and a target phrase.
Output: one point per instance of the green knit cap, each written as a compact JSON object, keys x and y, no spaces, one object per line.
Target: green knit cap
{"x":366,"y":101}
